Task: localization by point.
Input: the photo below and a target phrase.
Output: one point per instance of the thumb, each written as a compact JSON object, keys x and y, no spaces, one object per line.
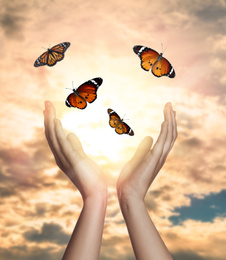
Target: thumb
{"x":142,"y":149}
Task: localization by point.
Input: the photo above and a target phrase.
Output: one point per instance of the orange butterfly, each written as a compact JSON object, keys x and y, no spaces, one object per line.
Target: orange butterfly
{"x":117,"y":123}
{"x":87,"y":92}
{"x":53,"y":55}
{"x":151,"y":59}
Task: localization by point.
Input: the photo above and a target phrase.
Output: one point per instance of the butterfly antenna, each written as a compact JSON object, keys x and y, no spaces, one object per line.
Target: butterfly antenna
{"x":165,"y":50}
{"x":72,"y":86}
{"x":124,"y":119}
{"x":162,"y":49}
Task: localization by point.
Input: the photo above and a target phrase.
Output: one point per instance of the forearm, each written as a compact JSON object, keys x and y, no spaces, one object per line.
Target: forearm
{"x":146,"y":241}
{"x":86,"y":238}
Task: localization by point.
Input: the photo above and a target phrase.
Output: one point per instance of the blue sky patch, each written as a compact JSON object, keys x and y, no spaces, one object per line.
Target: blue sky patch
{"x":205,"y":210}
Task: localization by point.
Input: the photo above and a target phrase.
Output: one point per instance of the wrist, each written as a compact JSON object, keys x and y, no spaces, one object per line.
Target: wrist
{"x":99,"y":198}
{"x":130,"y":199}
{"x":129,"y":193}
{"x":132,"y":207}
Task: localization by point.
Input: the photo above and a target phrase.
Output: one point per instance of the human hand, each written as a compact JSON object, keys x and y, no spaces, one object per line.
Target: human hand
{"x":71,"y":158}
{"x":138,"y":174}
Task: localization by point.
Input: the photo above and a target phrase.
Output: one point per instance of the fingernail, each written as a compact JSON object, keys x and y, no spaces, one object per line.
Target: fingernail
{"x":47,"y":104}
{"x":169,"y":104}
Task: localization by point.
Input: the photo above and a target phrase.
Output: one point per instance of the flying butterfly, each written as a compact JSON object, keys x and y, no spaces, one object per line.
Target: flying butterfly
{"x":87,"y":92}
{"x":151,"y":59}
{"x":53,"y":55}
{"x":117,"y":123}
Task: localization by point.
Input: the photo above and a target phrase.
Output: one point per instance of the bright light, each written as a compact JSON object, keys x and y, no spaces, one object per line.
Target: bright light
{"x":97,"y":137}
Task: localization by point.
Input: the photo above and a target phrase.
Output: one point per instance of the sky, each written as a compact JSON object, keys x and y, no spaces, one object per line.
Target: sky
{"x":38,"y":204}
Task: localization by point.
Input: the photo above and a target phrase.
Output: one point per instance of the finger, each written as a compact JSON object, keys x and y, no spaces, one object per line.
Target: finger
{"x":159,"y":145}
{"x":168,"y":115}
{"x":171,"y":137}
{"x":142,"y":149}
{"x":49,"y":117}
{"x":76,"y":144}
{"x":64,"y":144}
{"x":166,"y":108}
{"x":175,"y":134}
{"x":46,"y":113}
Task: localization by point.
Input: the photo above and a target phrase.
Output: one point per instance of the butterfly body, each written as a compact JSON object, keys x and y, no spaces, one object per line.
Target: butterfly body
{"x":151,"y":59}
{"x":87,"y":92}
{"x":53,"y":55}
{"x":117,"y":123}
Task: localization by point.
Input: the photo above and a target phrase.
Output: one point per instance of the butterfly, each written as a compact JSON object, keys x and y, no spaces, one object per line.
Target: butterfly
{"x":87,"y":92}
{"x":53,"y":55}
{"x":151,"y":59}
{"x":117,"y":123}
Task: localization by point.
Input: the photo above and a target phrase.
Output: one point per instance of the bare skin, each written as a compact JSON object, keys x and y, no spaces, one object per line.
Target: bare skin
{"x":86,"y":238}
{"x":133,"y":183}
{"x":132,"y":186}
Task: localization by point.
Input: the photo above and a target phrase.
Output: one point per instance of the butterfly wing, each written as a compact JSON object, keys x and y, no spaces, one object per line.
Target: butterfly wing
{"x":126,"y":129}
{"x":42,"y":60}
{"x":117,"y":123}
{"x":74,"y":100}
{"x":88,"y":90}
{"x":53,"y":58}
{"x":114,"y":118}
{"x":162,"y":67}
{"x":53,"y":55}
{"x":61,"y":48}
{"x":147,"y":56}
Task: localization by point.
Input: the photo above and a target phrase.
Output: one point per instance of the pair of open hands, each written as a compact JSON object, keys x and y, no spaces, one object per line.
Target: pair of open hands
{"x":135,"y":177}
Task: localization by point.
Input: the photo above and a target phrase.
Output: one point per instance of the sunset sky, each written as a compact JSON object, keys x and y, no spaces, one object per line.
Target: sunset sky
{"x":187,"y":201}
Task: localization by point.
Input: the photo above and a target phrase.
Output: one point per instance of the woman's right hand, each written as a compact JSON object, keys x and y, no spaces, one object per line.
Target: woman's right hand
{"x":138,"y":174}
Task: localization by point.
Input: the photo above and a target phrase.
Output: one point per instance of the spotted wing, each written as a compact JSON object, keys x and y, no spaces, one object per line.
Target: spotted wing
{"x":117,"y":123}
{"x":88,"y":90}
{"x":74,"y":100}
{"x":123,"y":128}
{"x":114,"y":118}
{"x":162,"y":67}
{"x":147,"y":56}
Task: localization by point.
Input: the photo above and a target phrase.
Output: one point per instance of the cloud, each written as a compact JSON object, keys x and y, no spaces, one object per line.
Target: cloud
{"x":6,"y":192}
{"x":25,"y":163}
{"x":49,"y":232}
{"x":193,"y":142}
{"x":190,"y":255}
{"x":36,"y":193}
{"x":30,"y":253}
{"x":211,"y":12}
{"x":13,"y":19}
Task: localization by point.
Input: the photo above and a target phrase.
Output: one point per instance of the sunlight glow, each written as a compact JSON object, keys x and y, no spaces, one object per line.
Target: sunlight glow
{"x":51,"y":171}
{"x":98,"y":139}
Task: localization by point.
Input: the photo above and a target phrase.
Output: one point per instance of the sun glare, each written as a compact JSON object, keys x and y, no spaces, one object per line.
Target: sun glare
{"x":97,"y":137}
